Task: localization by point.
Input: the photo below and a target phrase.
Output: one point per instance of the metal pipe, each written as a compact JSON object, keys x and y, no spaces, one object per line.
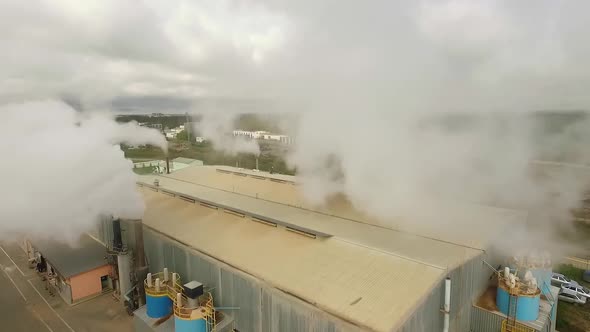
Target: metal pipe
{"x":157,"y":284}
{"x":179,"y":300}
{"x":149,"y":280}
{"x":141,"y":268}
{"x":165,"y":274}
{"x":126,"y":296}
{"x":173,"y":278}
{"x":447,"y":308}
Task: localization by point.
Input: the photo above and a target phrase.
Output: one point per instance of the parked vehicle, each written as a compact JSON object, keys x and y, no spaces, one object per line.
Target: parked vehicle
{"x":571,"y":298}
{"x":575,"y":288}
{"x":558,"y":279}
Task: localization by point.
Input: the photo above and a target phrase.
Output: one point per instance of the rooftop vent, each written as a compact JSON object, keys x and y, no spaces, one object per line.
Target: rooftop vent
{"x":235,"y":213}
{"x":186,"y":198}
{"x":264,"y":222}
{"x":300,"y":232}
{"x":207,"y":205}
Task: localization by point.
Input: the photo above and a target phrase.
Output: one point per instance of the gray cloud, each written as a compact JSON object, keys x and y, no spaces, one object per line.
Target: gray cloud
{"x":449,"y":54}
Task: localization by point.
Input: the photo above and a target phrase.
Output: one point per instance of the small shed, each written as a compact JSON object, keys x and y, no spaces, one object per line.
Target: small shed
{"x":80,"y":271}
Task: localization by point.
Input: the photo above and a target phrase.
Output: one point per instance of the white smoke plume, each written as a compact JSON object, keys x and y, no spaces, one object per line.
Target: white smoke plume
{"x":368,"y":78}
{"x":217,"y":127}
{"x":62,"y":169}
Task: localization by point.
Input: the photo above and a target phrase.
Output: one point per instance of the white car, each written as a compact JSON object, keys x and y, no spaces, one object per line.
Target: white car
{"x":574,"y":288}
{"x":559,"y":279}
{"x":571,"y":298}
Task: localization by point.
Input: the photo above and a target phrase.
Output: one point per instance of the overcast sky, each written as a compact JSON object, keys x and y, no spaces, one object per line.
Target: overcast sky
{"x":414,"y":54}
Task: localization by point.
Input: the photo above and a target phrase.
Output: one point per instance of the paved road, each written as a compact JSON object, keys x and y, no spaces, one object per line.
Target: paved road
{"x":26,"y":306}
{"x":23,"y":309}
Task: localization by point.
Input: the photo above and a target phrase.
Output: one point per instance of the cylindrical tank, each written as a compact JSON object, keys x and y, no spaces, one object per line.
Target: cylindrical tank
{"x":189,"y":325}
{"x":158,"y":306}
{"x":527,"y":308}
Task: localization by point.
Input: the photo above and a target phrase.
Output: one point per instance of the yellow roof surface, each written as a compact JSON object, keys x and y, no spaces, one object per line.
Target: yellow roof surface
{"x":390,"y":271}
{"x":368,"y":287}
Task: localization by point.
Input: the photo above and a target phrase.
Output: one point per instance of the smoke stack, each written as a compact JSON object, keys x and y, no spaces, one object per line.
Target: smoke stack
{"x":117,"y":238}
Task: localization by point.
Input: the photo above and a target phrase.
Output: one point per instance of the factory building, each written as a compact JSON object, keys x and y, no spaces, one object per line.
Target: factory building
{"x":76,"y":272}
{"x":272,"y":262}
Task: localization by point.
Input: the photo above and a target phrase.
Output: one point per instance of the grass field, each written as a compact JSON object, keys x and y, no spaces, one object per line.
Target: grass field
{"x":270,"y":157}
{"x":573,"y":318}
{"x":144,"y":170}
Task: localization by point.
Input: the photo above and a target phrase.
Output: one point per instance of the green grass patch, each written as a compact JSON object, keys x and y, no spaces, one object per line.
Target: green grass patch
{"x":144,"y":170}
{"x":572,"y":273}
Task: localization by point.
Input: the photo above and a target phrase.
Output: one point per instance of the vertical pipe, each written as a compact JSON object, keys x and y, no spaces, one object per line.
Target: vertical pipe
{"x":447,"y":308}
{"x":141,"y":268}
{"x":179,"y":300}
{"x":165,"y":274}
{"x":173,"y":279}
{"x":124,"y":266}
{"x":157,"y":284}
{"x":167,"y":165}
{"x":149,"y":280}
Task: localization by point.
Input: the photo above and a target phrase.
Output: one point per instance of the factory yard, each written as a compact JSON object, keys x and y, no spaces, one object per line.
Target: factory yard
{"x":27,"y":306}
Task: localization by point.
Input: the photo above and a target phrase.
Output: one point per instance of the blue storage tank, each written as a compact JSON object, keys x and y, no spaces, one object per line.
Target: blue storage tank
{"x":189,"y":325}
{"x":158,"y":305}
{"x":527,"y":308}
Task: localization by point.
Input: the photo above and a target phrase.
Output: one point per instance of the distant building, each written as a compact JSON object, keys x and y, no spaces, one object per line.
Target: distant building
{"x":265,"y":135}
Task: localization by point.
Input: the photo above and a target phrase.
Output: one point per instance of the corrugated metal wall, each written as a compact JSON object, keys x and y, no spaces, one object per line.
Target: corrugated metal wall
{"x":266,"y":309}
{"x":483,"y":321}
{"x":262,"y":308}
{"x":468,"y":282}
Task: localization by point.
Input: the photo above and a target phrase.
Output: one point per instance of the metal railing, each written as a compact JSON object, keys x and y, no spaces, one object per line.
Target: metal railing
{"x":169,"y":287}
{"x":207,"y":311}
{"x":518,"y":327}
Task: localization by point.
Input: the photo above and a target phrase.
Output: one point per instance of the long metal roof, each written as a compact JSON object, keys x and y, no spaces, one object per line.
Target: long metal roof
{"x":428,"y":251}
{"x":362,"y":272}
{"x":371,"y":288}
{"x":468,"y":219}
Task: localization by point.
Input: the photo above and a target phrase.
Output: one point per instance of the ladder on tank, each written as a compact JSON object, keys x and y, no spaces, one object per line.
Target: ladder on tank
{"x":512,"y":307}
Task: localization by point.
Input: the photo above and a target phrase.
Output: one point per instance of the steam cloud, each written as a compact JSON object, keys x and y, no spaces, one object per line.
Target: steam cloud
{"x":63,"y":169}
{"x":218,"y":126}
{"x":369,"y":81}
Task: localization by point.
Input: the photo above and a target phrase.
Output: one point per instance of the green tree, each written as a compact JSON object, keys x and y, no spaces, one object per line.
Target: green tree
{"x":182,"y":136}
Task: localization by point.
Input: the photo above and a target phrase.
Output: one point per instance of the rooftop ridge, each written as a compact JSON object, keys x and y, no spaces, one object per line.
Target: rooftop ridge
{"x":433,"y":252}
{"x":364,"y":223}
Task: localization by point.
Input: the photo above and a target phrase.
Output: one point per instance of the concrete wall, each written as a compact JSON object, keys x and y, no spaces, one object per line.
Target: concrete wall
{"x":88,"y":283}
